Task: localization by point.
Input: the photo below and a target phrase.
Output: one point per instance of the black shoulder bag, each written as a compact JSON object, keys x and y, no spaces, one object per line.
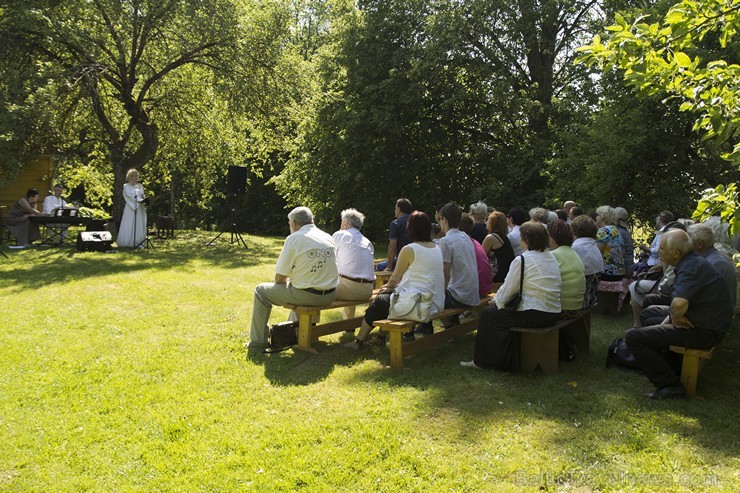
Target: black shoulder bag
{"x":514,"y":301}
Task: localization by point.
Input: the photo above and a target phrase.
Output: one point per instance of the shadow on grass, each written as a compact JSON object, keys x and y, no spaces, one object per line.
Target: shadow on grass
{"x":45,"y":265}
{"x":584,"y":397}
{"x":300,"y":368}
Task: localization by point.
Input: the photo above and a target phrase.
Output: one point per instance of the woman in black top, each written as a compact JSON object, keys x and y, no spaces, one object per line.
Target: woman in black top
{"x":497,"y":246}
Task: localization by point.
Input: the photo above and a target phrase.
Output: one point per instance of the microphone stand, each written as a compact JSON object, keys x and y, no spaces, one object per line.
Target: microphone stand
{"x":146,"y":241}
{"x":136,"y":211}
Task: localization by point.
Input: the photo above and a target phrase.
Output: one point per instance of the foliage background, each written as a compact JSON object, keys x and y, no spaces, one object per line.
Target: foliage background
{"x":337,"y":103}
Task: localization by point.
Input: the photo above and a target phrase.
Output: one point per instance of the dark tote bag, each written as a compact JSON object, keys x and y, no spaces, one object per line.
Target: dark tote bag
{"x":496,"y":347}
{"x":620,"y":356}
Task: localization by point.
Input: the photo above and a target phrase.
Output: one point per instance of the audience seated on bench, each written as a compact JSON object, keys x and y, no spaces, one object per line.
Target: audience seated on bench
{"x":398,"y":328}
{"x":309,"y":328}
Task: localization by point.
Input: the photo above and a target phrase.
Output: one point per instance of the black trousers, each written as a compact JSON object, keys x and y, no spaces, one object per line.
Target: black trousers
{"x":654,"y":315}
{"x":378,"y":309}
{"x":498,"y":348}
{"x":650,"y":344}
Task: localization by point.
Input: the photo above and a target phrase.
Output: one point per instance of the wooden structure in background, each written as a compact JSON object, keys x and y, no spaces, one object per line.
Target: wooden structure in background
{"x":37,"y":173}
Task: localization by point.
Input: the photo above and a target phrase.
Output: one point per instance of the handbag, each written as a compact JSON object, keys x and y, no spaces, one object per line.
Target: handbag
{"x":410,"y":306}
{"x":620,"y":356}
{"x":513,"y":303}
{"x":283,"y":336}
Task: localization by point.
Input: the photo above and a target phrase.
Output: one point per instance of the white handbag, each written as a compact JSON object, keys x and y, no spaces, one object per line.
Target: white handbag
{"x":410,"y":306}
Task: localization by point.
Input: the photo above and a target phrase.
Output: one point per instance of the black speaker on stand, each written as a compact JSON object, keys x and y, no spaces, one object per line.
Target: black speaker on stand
{"x":236,"y":185}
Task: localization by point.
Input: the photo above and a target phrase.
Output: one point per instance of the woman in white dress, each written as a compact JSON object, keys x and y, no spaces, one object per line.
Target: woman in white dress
{"x":133,"y":224}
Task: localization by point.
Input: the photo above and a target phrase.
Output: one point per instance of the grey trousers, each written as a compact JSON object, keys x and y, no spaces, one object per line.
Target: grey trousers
{"x":268,"y":294}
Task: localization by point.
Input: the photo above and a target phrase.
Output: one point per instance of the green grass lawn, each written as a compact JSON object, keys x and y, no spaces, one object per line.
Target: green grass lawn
{"x":128,"y":372}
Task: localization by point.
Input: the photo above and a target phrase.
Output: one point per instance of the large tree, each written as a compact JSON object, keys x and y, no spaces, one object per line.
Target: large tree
{"x":112,"y":59}
{"x":438,"y":101}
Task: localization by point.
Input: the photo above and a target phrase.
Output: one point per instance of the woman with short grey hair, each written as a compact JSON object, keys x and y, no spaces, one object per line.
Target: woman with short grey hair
{"x":479,"y":213}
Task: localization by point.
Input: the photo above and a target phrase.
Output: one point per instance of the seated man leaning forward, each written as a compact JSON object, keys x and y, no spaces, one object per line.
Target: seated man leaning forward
{"x":700,"y":315}
{"x":354,"y":261}
{"x":305,"y":274}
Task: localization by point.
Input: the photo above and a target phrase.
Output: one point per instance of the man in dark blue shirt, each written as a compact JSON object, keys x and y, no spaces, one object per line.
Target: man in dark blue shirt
{"x":700,"y":315}
{"x":397,"y":237}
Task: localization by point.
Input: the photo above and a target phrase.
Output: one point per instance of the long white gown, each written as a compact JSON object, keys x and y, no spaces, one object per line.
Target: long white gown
{"x":133,"y":223}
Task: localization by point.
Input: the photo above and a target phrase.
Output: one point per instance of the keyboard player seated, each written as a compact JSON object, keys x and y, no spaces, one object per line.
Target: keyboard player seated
{"x":54,"y":205}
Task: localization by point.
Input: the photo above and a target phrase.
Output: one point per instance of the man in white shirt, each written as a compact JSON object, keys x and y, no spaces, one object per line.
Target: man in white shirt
{"x":55,"y":201}
{"x":516,"y":217}
{"x":305,"y":274}
{"x":52,"y":202}
{"x":355,"y":261}
{"x":663,"y":219}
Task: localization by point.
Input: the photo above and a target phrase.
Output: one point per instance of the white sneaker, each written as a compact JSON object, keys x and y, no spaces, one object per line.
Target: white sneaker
{"x":470,"y":364}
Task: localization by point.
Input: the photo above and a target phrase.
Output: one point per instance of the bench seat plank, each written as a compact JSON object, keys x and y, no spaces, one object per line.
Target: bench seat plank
{"x":308,"y":333}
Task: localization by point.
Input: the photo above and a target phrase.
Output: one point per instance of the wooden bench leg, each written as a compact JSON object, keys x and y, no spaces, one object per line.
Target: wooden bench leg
{"x":305,"y":335}
{"x":396,"y":348}
{"x":540,"y":349}
{"x":690,"y":373}
{"x":580,"y":333}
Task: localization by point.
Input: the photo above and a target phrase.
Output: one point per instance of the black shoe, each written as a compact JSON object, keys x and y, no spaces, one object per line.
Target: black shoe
{"x":425,"y":328}
{"x":669,"y":392}
{"x":409,"y":337}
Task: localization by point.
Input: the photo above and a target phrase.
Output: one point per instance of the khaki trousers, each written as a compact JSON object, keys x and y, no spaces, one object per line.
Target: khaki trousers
{"x":353,"y":291}
{"x":268,"y":294}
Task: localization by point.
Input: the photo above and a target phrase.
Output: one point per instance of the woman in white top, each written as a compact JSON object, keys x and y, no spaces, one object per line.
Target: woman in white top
{"x":495,"y":345}
{"x":132,"y":232}
{"x":419,"y":269}
{"x":584,"y":229}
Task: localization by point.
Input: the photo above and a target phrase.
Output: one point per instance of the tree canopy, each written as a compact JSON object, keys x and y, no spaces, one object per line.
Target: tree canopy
{"x":345,"y":103}
{"x":667,"y":57}
{"x":121,"y":71}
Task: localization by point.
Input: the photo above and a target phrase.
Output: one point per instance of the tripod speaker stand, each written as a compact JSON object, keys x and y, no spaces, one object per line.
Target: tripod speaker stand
{"x":236,"y":185}
{"x":236,"y":236}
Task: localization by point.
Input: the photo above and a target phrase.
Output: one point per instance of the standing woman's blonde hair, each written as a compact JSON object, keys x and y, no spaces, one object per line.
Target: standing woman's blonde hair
{"x":131,"y":173}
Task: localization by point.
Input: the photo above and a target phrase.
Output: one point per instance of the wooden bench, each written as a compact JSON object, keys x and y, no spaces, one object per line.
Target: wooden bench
{"x":611,"y":296}
{"x":693,"y":360}
{"x":539,"y":346}
{"x":308,"y":332}
{"x":396,"y":328}
{"x":381,"y":277}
